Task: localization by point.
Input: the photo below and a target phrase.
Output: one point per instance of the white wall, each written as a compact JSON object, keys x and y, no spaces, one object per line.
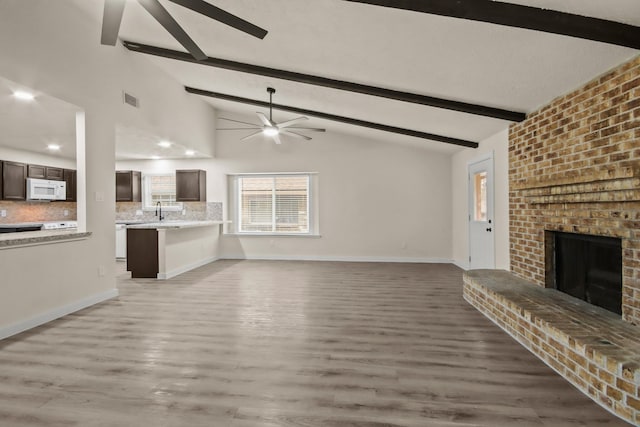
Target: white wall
{"x":497,"y":143}
{"x":54,"y":47}
{"x":7,"y":153}
{"x":378,"y":201}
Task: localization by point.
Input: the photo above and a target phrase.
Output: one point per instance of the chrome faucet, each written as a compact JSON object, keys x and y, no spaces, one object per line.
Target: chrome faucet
{"x":159,"y":210}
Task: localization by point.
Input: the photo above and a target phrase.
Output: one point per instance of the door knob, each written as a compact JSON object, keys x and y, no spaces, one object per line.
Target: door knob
{"x":489,"y":229}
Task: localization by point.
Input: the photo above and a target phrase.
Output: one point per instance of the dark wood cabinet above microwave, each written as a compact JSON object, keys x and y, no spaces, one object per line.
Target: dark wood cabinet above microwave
{"x":45,"y":172}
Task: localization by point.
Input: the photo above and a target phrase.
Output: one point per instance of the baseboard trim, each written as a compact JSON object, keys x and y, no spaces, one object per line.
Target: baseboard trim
{"x":338,"y":258}
{"x":463,"y":265}
{"x":177,"y":271}
{"x":56,"y":313}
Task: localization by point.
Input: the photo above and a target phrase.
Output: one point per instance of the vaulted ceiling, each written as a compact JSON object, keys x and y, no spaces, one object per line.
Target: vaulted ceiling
{"x":426,"y":55}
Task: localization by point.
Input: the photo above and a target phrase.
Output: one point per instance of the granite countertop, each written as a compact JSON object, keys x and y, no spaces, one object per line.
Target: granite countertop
{"x":131,"y":221}
{"x":30,"y":238}
{"x":175,"y":224}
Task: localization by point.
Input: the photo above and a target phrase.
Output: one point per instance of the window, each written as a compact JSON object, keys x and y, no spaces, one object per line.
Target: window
{"x":480,"y":196}
{"x":273,"y":204}
{"x":160,"y":187}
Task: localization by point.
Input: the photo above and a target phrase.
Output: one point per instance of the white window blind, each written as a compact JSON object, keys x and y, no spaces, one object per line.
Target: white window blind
{"x":273,"y":204}
{"x":160,"y":188}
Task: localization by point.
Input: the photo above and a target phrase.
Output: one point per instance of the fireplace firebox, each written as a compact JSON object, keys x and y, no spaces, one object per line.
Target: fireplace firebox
{"x":586,"y":267}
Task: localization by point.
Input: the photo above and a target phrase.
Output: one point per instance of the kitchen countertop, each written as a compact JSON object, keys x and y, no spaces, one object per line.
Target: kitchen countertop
{"x":30,"y":238}
{"x":164,"y":225}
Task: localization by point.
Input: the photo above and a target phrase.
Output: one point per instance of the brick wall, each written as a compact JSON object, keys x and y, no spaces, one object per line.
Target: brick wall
{"x":574,"y":166}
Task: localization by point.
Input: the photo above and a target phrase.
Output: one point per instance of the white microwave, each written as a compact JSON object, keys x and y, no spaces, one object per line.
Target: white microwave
{"x":44,"y":189}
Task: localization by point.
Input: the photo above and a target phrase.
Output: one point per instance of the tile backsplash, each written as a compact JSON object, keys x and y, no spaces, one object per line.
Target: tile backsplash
{"x":19,"y":212}
{"x":194,"y":211}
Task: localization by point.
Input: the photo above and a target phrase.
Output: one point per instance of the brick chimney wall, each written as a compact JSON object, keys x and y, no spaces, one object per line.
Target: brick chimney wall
{"x":574,"y":166}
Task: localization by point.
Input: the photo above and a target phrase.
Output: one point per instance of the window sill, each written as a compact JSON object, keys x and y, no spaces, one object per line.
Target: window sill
{"x":164,"y":209}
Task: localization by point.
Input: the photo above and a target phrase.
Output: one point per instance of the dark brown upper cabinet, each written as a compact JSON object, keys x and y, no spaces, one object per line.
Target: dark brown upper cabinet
{"x":55,"y":174}
{"x":36,"y":171}
{"x":14,"y":182}
{"x":70,"y":177}
{"x":45,"y":172}
{"x":128,"y":186}
{"x":191,"y":185}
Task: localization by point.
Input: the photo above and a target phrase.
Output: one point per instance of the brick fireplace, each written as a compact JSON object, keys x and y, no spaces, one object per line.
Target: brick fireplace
{"x":574,"y":166}
{"x":574,"y":170}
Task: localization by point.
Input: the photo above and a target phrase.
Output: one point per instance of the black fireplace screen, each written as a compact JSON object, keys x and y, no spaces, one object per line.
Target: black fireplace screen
{"x":590,"y":268}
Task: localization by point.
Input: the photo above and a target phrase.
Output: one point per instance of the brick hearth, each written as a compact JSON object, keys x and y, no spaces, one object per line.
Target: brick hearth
{"x":592,"y":348}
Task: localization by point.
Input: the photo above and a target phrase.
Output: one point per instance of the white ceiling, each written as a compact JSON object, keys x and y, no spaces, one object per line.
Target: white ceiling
{"x":32,"y":125}
{"x":468,"y":61}
{"x":456,"y":59}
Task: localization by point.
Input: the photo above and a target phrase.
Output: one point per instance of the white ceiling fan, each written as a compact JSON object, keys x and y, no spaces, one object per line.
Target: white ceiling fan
{"x":272,"y":129}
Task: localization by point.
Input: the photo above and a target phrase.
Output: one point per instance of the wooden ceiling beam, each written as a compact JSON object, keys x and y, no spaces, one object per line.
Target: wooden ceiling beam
{"x":463,"y":107}
{"x":515,"y":15}
{"x":336,"y":118}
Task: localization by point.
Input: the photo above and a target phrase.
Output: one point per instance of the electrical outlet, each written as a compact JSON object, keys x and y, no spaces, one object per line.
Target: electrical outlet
{"x":139,"y":212}
{"x":66,"y":212}
{"x":3,"y":213}
{"x":99,"y":196}
{"x":184,"y":211}
{"x":101,"y":271}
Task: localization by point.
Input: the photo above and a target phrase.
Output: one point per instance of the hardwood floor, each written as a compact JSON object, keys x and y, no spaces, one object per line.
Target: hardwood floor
{"x":270,"y":343}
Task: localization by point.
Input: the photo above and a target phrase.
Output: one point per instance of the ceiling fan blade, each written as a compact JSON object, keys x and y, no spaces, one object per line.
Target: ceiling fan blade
{"x":238,"y":121}
{"x":207,"y":9}
{"x":111,"y":19}
{"x":276,"y":138}
{"x":171,"y":25}
{"x":264,"y":119}
{"x":295,"y":134}
{"x":239,"y":129}
{"x":306,"y":129}
{"x":251,"y":136}
{"x":291,"y":122}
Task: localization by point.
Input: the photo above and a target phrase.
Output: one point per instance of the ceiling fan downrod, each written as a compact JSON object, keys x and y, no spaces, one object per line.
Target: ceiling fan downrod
{"x":271,"y":92}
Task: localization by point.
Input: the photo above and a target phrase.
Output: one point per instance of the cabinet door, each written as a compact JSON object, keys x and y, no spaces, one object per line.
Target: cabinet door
{"x":191,"y":186}
{"x":128,"y":186}
{"x":36,"y":171}
{"x":14,"y":184}
{"x":72,"y":186}
{"x":55,"y":174}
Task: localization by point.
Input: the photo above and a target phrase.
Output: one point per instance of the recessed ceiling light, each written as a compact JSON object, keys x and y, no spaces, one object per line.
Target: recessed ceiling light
{"x":164,"y":144}
{"x":189,"y":152}
{"x":53,"y":147}
{"x":155,"y":157}
{"x":25,"y":96}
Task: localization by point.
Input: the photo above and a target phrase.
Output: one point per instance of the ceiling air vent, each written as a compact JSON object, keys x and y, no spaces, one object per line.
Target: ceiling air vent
{"x":130,"y":99}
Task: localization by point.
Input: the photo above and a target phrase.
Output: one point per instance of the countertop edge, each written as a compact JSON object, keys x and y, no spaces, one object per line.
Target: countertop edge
{"x":175,"y":225}
{"x":35,"y":238}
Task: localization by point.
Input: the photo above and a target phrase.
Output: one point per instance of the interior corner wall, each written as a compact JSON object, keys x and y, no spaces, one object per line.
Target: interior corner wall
{"x":54,"y":47}
{"x":499,"y":144}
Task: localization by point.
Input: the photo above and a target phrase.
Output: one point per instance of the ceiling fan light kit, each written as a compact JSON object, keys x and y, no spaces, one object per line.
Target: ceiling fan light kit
{"x":272,"y":129}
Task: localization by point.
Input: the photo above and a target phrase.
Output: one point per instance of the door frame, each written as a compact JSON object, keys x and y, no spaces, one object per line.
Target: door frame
{"x":483,"y":157}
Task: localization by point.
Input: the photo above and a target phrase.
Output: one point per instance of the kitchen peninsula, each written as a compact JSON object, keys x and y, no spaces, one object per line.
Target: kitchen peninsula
{"x":162,"y":250}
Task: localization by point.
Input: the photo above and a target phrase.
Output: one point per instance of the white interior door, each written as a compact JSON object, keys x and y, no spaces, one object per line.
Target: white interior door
{"x":481,"y":225}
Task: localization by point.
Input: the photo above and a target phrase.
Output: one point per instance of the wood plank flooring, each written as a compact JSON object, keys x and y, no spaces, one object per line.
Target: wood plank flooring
{"x":274,"y":343}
